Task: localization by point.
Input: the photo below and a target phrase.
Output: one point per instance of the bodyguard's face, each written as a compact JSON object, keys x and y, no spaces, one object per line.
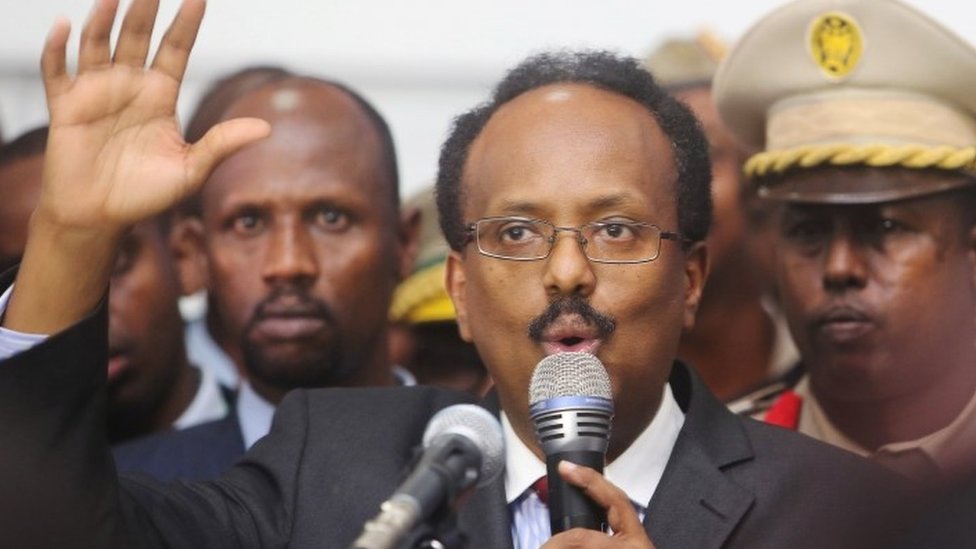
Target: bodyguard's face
{"x":880,"y":298}
{"x":146,"y":349}
{"x":573,"y":154}
{"x":302,"y":238}
{"x":727,"y":239}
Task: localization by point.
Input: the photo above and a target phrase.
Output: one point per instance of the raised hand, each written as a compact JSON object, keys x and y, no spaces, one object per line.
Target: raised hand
{"x":628,"y":532}
{"x":115,"y":153}
{"x":115,"y":156}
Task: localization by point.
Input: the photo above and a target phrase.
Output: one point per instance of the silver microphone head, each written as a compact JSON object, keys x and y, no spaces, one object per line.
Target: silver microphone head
{"x":478,"y":426}
{"x":569,"y":374}
{"x":571,"y":403}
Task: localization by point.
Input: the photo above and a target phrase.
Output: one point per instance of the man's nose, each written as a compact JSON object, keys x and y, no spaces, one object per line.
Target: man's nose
{"x":291,"y":254}
{"x":568,"y":271}
{"x":845,"y":265}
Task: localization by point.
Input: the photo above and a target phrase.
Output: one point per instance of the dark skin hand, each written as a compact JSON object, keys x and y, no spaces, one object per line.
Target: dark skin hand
{"x":628,"y":532}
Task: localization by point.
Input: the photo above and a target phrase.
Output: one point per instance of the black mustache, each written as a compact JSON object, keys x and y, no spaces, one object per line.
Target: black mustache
{"x":605,"y":324}
{"x":290,"y":302}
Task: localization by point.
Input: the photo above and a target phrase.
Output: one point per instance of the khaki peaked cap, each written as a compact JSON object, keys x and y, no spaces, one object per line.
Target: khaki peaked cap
{"x":850,"y":83}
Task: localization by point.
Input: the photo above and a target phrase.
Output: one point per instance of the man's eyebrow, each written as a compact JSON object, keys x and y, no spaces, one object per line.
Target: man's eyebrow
{"x":510,"y":207}
{"x":610,"y":201}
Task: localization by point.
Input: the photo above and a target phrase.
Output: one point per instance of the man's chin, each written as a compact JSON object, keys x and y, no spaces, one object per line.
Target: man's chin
{"x":288,"y":371}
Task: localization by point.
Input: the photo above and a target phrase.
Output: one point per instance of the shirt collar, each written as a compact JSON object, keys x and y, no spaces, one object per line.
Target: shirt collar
{"x":208,"y":403}
{"x":951,"y":447}
{"x":254,"y":413}
{"x":637,"y":471}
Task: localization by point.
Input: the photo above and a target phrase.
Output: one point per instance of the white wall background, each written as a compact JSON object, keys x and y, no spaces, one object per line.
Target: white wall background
{"x":420,"y":61}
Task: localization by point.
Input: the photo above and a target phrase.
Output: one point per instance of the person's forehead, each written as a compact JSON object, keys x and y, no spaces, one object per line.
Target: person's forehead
{"x":592,"y":141}
{"x":310,"y":153}
{"x":562,"y":101}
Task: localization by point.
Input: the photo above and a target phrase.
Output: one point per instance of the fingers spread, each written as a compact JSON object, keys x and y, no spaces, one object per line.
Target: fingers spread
{"x":53,"y":68}
{"x":95,"y":49}
{"x":174,"y":50}
{"x":134,"y":38}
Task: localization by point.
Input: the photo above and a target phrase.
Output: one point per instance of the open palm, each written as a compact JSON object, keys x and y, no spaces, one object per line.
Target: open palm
{"x":115,"y":152}
{"x":114,"y":157}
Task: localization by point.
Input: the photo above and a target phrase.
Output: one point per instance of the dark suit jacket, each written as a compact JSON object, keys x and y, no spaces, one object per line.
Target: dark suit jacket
{"x":201,"y":452}
{"x":334,"y":455}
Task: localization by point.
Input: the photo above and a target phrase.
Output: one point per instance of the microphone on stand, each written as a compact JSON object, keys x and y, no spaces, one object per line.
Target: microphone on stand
{"x":571,"y":405}
{"x":463,"y":445}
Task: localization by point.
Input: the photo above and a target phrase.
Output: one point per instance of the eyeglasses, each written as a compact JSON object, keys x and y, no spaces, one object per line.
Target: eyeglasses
{"x":523,"y":239}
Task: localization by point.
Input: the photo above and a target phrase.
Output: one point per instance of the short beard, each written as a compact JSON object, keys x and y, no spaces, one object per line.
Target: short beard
{"x":318,"y":366}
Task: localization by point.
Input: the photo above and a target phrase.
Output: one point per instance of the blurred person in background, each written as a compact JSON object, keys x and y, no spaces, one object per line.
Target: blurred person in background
{"x":206,"y":342}
{"x":299,"y":242}
{"x":740,"y":340}
{"x":152,"y":385}
{"x":865,"y":118}
{"x":21,"y":162}
{"x":425,"y":337}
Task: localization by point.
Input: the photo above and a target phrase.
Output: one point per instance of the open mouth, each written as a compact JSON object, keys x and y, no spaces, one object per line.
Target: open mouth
{"x":571,"y":333}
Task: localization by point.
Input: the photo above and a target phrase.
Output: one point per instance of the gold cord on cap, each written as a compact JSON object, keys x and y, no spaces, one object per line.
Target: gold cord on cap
{"x":875,"y":155}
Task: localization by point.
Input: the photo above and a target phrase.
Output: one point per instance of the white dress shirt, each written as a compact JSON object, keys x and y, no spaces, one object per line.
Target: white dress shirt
{"x":11,"y":342}
{"x":208,"y":403}
{"x":637,"y":472}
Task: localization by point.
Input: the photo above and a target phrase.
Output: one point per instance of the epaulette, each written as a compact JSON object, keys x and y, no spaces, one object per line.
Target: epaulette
{"x":760,"y":399}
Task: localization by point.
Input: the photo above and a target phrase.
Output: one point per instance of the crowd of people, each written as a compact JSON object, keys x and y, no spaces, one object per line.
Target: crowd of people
{"x":770,"y":246}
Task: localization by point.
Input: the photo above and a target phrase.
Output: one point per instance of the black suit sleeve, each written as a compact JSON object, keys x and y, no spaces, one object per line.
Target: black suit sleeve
{"x":58,"y":485}
{"x":57,"y":481}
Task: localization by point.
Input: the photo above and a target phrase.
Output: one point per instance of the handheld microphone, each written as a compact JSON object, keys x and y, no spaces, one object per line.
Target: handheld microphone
{"x":462,"y":446}
{"x":571,"y":405}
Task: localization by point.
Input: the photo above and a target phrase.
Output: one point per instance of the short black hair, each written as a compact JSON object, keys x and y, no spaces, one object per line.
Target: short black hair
{"x":30,"y":143}
{"x":604,"y":70}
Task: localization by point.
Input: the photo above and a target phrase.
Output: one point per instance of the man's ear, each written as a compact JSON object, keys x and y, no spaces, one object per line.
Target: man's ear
{"x":410,"y":221}
{"x":455,"y":280}
{"x":696,"y":273}
{"x":186,"y":242}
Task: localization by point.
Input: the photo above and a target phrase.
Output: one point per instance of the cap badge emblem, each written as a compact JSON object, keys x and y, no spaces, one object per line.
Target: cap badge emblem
{"x":836,"y":44}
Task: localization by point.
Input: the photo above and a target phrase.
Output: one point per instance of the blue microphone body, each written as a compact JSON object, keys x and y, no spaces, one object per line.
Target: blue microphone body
{"x":571,"y":406}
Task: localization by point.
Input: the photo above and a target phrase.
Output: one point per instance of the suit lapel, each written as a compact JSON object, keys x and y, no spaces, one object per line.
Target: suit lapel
{"x":696,"y":505}
{"x":484,"y":518}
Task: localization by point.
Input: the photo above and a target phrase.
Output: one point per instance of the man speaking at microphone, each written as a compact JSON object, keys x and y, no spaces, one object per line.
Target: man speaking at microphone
{"x":576,"y":203}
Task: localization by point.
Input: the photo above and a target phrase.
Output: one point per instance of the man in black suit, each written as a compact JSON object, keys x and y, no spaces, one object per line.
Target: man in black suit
{"x":583,"y":146}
